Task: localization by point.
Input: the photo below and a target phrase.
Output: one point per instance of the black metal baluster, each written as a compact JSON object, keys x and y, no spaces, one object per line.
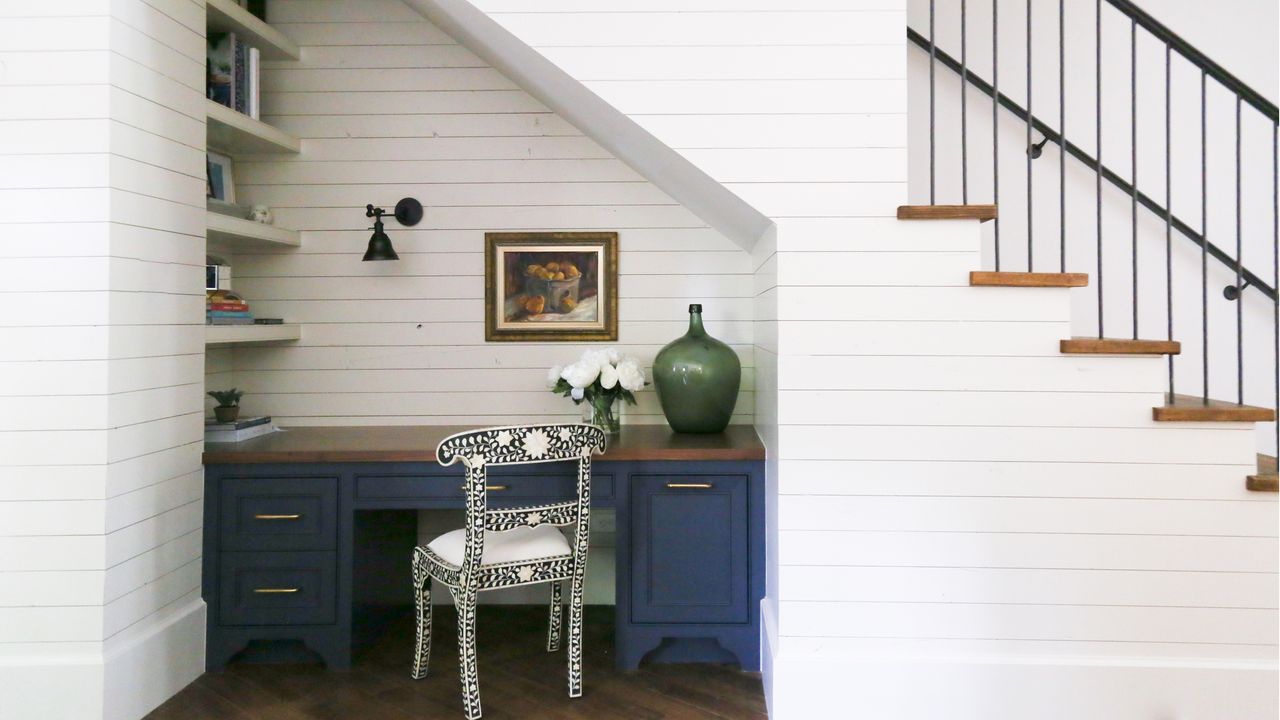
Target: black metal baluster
{"x":1204,"y":233}
{"x":1030,"y":244}
{"x":995,"y":120}
{"x":1168,"y":200}
{"x":1062,"y":138}
{"x":1133,"y":160}
{"x":1098,"y":158}
{"x":933,"y":56}
{"x":964,"y":112}
{"x":1239,"y":263}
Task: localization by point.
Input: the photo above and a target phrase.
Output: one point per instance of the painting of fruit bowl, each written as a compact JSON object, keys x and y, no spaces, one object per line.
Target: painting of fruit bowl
{"x":548,"y":286}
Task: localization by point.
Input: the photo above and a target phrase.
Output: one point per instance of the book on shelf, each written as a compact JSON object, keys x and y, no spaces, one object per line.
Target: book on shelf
{"x":228,"y":307}
{"x":232,"y":73}
{"x":239,"y":424}
{"x":228,"y":321}
{"x":268,"y":321}
{"x":227,"y":313}
{"x":222,"y":436}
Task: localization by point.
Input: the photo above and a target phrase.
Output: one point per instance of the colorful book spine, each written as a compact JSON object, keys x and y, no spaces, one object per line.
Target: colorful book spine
{"x":230,"y":307}
{"x":255,"y":100}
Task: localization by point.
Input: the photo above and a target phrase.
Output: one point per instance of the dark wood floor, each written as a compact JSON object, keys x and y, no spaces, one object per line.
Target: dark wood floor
{"x":518,"y":679}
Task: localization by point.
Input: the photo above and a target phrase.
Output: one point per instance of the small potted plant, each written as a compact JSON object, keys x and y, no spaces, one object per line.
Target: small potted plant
{"x":228,"y":404}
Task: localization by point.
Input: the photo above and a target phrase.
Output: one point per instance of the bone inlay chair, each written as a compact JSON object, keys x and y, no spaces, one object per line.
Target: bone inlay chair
{"x":510,"y":546}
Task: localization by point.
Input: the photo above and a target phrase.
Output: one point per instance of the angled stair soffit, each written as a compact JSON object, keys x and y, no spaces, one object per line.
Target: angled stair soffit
{"x":682,"y":180}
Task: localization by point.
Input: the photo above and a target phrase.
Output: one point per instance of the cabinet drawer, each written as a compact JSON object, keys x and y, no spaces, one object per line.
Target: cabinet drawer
{"x":689,"y":549}
{"x":296,"y":588}
{"x":504,"y":488}
{"x":274,"y":513}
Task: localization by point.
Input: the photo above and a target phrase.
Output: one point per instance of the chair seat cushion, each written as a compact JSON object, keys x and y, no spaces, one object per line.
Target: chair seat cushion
{"x":520,"y":544}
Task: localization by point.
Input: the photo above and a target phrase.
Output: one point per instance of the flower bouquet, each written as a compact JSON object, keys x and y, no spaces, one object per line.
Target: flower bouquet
{"x":601,"y":378}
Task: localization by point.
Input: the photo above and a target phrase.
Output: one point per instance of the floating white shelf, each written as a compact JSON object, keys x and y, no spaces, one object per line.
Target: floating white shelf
{"x":239,"y":134}
{"x":240,"y":233}
{"x":226,"y":16}
{"x":235,"y":334}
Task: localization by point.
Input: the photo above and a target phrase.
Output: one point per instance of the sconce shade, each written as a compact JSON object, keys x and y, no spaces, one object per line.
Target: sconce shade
{"x":380,"y":246}
{"x":408,"y":212}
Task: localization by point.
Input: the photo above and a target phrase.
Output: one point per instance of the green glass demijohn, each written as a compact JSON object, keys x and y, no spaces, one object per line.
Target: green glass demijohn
{"x":697,"y":379}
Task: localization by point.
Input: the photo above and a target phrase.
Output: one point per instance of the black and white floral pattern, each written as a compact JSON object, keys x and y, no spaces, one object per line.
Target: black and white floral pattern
{"x":477,"y":450}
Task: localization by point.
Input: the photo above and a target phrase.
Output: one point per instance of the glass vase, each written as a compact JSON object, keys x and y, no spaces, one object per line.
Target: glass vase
{"x":602,"y":412}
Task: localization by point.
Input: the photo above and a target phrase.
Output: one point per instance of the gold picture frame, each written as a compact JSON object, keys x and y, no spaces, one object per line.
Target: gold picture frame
{"x":551,"y":286}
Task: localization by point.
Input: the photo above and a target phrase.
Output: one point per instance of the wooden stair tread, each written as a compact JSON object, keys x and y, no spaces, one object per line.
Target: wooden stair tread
{"x":1116,"y":346}
{"x":1263,"y":483}
{"x":1027,"y":279}
{"x":982,"y":213}
{"x":1192,"y":408}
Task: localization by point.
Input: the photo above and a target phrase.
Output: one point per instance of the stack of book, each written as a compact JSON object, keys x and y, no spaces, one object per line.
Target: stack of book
{"x":242,"y":429}
{"x":232,"y":74}
{"x":226,"y":308}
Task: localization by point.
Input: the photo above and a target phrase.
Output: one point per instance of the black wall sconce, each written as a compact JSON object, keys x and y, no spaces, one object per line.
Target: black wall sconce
{"x":408,"y":213}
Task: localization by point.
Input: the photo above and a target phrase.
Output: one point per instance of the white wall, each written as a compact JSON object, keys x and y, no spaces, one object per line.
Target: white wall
{"x":1257,"y":232}
{"x":388,"y":106}
{"x":100,"y":479}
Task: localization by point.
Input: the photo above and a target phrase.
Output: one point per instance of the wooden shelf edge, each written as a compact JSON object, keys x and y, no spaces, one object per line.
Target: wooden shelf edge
{"x":237,"y":334}
{"x":238,"y":231}
{"x":226,"y":16}
{"x":1189,"y":408}
{"x":1027,"y":279}
{"x":1109,"y":346}
{"x":1263,"y":483}
{"x":981,"y":213}
{"x":240,"y":134}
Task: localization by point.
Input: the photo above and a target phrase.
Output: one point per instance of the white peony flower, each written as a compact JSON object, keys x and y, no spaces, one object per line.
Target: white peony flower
{"x":596,"y":358}
{"x":630,"y":375}
{"x":553,"y":375}
{"x":580,"y":374}
{"x":608,"y":376}
{"x":613,"y":355}
{"x":577,"y":393}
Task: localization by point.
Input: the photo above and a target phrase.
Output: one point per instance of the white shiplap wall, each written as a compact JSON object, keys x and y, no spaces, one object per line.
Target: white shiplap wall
{"x":101,"y":204}
{"x":388,"y":106}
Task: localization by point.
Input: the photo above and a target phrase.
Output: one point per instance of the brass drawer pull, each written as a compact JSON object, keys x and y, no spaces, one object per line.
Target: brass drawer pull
{"x":689,"y":486}
{"x":491,"y":488}
{"x":294,"y":516}
{"x":275,"y":591}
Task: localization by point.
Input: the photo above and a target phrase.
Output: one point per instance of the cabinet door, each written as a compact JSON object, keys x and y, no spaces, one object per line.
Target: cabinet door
{"x":689,"y":551}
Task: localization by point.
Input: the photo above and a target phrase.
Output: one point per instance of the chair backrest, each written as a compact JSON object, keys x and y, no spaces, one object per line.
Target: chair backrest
{"x":520,"y":445}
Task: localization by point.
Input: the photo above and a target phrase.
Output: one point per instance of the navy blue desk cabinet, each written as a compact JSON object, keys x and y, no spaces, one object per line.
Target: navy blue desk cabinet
{"x":306,"y":528}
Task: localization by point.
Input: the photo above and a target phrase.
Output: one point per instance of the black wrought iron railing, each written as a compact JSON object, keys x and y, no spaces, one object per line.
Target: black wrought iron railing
{"x":1179,"y":58}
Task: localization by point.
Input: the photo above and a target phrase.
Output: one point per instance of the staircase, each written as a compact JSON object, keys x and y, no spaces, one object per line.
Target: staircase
{"x":1163,"y":251}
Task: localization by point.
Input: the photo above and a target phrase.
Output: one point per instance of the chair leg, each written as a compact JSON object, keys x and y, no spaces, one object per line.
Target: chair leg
{"x":422,"y":600}
{"x":553,"y":627}
{"x":575,"y":636}
{"x":465,"y":602}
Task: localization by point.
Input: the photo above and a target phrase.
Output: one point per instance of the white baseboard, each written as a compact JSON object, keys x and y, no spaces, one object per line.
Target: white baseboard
{"x":768,"y":650}
{"x":152,"y":661}
{"x":905,"y":689}
{"x":122,"y":679}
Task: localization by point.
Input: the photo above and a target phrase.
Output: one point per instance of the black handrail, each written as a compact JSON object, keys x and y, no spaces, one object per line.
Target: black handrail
{"x":1075,"y":151}
{"x":1197,"y":58}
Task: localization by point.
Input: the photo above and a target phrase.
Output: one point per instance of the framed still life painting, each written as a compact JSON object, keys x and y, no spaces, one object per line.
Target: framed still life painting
{"x":551,"y":286}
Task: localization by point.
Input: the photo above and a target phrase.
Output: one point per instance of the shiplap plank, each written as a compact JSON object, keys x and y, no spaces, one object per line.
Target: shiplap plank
{"x":1093,"y":551}
{"x":658,"y":29}
{"x":1244,"y":626}
{"x":1031,"y":586}
{"x":1026,"y":515}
